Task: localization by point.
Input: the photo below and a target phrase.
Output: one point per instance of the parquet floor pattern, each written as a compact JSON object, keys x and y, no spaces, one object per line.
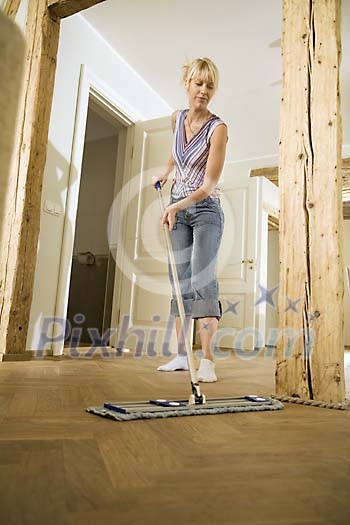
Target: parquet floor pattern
{"x":62,"y":466}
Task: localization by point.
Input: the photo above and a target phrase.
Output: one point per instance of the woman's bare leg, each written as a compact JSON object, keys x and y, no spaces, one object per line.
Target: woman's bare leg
{"x":207,"y":329}
{"x":179,"y":334}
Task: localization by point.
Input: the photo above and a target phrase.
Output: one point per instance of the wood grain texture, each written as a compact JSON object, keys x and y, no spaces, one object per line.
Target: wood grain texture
{"x":271,"y":173}
{"x":10,"y":8}
{"x":24,"y":191}
{"x":311,"y":260}
{"x":23,"y":199}
{"x":75,"y":468}
{"x":273,"y":223}
{"x":12,"y":49}
{"x":64,"y":8}
{"x":346,"y":188}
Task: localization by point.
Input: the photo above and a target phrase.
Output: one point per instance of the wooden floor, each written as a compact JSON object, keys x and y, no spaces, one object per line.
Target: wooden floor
{"x":61,"y":465}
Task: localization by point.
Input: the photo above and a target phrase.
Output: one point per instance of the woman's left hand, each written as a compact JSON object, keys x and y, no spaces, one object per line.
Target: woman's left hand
{"x":169,"y":215}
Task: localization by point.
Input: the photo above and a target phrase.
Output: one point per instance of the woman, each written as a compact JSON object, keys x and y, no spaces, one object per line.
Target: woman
{"x":194,"y":214}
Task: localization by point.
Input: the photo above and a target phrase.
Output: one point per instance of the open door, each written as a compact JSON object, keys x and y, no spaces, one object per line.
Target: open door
{"x":142,"y":254}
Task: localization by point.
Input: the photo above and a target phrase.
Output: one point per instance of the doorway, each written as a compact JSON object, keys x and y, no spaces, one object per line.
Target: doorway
{"x":91,"y":287}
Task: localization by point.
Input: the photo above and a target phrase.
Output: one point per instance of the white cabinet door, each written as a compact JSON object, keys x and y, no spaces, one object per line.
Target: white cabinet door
{"x":142,"y":253}
{"x":238,"y":258}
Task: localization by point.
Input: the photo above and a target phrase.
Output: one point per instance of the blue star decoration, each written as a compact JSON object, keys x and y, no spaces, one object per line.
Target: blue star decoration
{"x":292,"y":305}
{"x":205,"y":327}
{"x":231,"y":307}
{"x":266,"y":295}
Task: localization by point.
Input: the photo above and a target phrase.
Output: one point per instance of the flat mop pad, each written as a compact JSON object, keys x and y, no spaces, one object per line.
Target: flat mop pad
{"x":163,"y":408}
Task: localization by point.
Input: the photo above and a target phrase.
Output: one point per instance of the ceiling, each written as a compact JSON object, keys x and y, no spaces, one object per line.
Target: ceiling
{"x":242,"y":37}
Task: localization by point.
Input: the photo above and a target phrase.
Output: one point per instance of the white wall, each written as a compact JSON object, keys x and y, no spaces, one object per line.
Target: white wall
{"x":79,"y":44}
{"x":346,"y":287}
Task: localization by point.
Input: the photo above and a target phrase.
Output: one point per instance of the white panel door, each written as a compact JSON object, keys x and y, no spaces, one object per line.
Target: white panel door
{"x":145,"y":287}
{"x":238,"y":259}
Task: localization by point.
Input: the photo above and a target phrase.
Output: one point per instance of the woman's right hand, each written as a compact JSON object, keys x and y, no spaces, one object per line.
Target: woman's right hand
{"x":159,"y":178}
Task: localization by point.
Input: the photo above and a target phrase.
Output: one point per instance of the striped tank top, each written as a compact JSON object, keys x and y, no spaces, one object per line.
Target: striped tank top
{"x":191,"y":157}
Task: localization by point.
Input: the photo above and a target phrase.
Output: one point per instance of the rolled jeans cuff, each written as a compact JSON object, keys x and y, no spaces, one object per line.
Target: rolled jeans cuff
{"x":174,"y":309}
{"x":206,"y":308}
{"x":198,"y":309}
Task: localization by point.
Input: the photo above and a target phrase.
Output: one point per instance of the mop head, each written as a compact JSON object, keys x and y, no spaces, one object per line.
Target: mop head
{"x":161,"y":408}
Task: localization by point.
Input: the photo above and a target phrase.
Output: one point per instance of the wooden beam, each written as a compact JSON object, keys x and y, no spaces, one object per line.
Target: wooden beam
{"x":64,"y":8}
{"x":12,"y":54}
{"x":346,"y":188}
{"x":10,"y":8}
{"x":311,"y":366}
{"x":271,"y":173}
{"x":345,"y":175}
{"x":23,"y":199}
{"x":346,"y":210}
{"x":24,"y":194}
{"x":272,"y":223}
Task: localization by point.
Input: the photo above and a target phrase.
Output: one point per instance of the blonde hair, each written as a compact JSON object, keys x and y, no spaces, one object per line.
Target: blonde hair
{"x":202,"y":68}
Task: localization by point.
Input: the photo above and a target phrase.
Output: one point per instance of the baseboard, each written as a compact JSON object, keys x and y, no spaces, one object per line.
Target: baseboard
{"x":29,"y":355}
{"x":23,"y":356}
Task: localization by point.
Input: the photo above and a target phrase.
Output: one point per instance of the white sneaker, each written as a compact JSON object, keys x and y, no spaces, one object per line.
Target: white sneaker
{"x":178,"y":363}
{"x":206,"y":371}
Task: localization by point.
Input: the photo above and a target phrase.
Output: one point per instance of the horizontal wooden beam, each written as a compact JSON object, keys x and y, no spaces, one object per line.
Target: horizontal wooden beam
{"x":273,"y":223}
{"x":346,"y":210}
{"x":10,"y":8}
{"x":64,"y":8}
{"x":272,"y":174}
{"x":345,"y":174}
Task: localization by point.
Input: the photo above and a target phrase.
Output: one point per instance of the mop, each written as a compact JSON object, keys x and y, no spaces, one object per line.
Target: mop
{"x":197,"y":404}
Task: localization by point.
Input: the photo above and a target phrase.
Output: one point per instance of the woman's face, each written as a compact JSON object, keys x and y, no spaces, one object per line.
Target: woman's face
{"x":200,"y":93}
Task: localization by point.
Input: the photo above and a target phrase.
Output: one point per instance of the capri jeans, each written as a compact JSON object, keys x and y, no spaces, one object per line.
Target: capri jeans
{"x":195,"y":238}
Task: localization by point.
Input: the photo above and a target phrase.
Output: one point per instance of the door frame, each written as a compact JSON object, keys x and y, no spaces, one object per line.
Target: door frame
{"x":91,"y":89}
{"x":269,"y":195}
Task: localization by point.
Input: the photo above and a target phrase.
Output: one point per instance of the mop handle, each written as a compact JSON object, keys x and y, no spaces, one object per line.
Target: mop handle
{"x":188,"y":346}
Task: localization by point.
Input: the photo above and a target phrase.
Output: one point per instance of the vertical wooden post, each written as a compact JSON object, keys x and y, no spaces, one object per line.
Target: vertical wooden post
{"x":12,"y":47}
{"x":10,"y":8}
{"x":310,"y":359}
{"x":22,"y":208}
{"x":21,"y":229}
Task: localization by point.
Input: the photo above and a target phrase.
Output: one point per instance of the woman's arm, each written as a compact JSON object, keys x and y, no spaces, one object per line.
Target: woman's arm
{"x":215,"y":163}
